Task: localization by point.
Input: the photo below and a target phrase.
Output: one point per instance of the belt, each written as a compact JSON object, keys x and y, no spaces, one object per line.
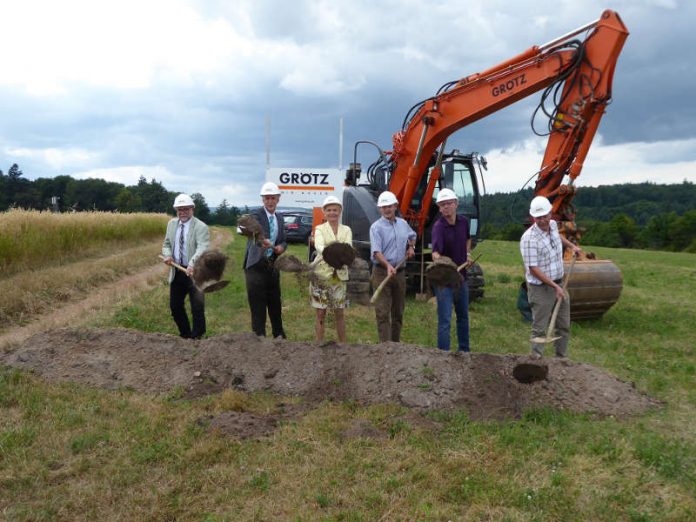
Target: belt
{"x":557,"y":281}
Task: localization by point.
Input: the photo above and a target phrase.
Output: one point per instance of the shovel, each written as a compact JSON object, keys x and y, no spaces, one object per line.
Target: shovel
{"x":385,"y":281}
{"x":422,"y":296}
{"x":556,"y":307}
{"x":467,"y":264}
{"x":206,"y":286}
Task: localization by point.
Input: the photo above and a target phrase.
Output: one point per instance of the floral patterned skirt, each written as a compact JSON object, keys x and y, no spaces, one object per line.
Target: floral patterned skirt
{"x":328,"y":293}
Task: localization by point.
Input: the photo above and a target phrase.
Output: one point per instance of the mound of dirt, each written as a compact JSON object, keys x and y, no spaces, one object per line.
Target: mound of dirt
{"x":409,"y":375}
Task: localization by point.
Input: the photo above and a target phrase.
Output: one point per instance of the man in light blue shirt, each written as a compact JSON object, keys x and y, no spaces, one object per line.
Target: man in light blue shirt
{"x":392,"y":242}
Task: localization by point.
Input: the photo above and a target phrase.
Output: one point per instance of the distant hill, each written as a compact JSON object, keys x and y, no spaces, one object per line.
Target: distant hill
{"x":645,"y":215}
{"x":639,"y":201}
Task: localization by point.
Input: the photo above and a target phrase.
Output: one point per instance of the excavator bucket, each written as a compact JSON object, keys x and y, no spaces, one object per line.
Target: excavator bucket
{"x":594,"y":287}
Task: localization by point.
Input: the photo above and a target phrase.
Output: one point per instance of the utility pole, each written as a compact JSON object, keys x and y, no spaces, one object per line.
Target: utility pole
{"x":340,"y":144}
{"x":268,"y":141}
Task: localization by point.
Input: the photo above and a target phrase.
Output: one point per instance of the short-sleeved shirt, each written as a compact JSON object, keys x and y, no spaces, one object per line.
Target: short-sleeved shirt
{"x":391,"y":239}
{"x":543,"y":250}
{"x":450,"y":240}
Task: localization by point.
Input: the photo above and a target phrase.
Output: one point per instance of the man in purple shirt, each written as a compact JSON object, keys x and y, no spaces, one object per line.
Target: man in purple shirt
{"x":450,"y":237}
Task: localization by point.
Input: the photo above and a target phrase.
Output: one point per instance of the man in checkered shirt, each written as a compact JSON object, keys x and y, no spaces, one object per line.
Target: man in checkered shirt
{"x":542,"y":253}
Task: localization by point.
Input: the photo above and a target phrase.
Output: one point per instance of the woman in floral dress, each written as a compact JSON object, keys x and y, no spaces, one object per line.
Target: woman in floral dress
{"x":327,"y":289}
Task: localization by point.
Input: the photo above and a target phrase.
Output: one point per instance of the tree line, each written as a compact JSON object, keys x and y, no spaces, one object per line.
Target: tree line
{"x":640,"y":215}
{"x":72,"y":195}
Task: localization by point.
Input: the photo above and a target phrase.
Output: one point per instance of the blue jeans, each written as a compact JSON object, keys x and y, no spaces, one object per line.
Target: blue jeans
{"x":446,"y":298}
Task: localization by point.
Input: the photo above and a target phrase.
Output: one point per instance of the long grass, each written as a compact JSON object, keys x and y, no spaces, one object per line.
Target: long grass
{"x":31,"y":239}
{"x":69,"y":452}
{"x":31,"y":293}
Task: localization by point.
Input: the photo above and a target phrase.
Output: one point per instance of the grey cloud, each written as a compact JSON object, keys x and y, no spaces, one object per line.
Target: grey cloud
{"x":401,"y":52}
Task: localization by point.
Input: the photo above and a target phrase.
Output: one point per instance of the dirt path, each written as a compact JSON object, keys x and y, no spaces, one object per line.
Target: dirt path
{"x":100,"y":298}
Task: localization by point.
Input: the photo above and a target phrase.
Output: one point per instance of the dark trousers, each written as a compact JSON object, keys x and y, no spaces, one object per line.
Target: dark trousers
{"x":263,"y":293}
{"x":180,"y":287}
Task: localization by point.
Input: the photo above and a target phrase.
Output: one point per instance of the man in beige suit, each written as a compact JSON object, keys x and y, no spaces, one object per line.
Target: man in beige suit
{"x":186,"y":239}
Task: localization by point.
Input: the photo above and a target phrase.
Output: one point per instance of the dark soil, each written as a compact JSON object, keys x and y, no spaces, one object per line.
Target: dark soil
{"x":337,"y":255}
{"x":412,"y":376}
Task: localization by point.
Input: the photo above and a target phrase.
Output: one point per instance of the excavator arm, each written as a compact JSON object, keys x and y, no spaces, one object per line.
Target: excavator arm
{"x":577,"y":74}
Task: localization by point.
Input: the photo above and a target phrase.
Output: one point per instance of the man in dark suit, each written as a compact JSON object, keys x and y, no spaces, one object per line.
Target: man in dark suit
{"x":262,"y":278}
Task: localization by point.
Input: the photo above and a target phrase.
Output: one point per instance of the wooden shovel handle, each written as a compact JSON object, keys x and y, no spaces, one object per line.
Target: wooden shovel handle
{"x":385,"y":281}
{"x":174,"y":264}
{"x":466,"y":263}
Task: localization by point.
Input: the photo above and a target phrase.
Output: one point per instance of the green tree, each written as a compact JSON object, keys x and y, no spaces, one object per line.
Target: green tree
{"x":225,"y":214}
{"x":683,"y":231}
{"x":598,"y":233}
{"x":624,"y":229}
{"x":18,"y":191}
{"x":202,"y":208}
{"x":656,"y":233}
{"x":511,"y":232}
{"x":92,"y":194}
{"x":49,"y":187}
{"x":154,"y":197}
{"x":4,"y":201}
{"x":128,"y":200}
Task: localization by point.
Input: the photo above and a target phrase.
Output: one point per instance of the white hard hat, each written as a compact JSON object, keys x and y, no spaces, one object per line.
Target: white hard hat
{"x":331,"y":200}
{"x":269,"y":189}
{"x":183,"y":200}
{"x":387,"y":198}
{"x":540,"y":206}
{"x":446,"y":195}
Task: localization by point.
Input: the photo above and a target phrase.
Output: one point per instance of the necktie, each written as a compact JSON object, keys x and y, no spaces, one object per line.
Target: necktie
{"x":271,"y":229}
{"x":181,"y":245}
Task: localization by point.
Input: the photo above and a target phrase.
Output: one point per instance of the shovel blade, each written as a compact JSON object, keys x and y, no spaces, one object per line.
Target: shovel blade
{"x":541,"y":340}
{"x":213,"y":286}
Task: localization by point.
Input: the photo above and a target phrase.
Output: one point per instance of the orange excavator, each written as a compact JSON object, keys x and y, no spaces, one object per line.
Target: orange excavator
{"x":574,"y":73}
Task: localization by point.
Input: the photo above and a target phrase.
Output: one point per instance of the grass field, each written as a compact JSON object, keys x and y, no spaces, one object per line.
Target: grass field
{"x":30,"y":239}
{"x":68,"y":452}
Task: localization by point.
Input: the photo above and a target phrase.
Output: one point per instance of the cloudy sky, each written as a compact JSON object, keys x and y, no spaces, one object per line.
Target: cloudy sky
{"x":181,"y":90}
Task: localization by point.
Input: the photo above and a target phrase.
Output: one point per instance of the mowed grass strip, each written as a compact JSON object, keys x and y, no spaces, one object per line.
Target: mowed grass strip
{"x":31,"y":293}
{"x":31,"y":239}
{"x":71,"y":452}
